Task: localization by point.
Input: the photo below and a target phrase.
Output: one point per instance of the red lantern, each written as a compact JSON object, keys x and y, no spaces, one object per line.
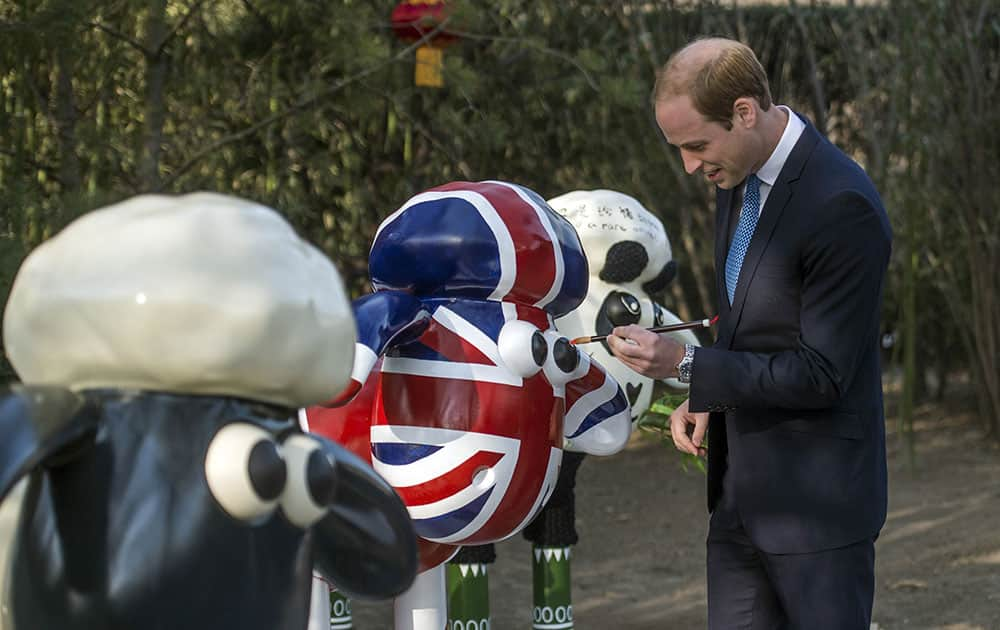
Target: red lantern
{"x":413,"y":20}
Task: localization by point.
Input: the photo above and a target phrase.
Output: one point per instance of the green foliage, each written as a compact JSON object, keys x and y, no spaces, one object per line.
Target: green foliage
{"x":11,"y":254}
{"x":311,"y":108}
{"x":656,"y":421}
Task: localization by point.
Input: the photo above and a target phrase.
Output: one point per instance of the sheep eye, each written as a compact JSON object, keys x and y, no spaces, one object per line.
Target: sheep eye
{"x":522,"y":347}
{"x":245,"y":471}
{"x":622,"y":308}
{"x":312,"y":481}
{"x":658,"y":315}
{"x":565,"y":355}
{"x":564,"y":360}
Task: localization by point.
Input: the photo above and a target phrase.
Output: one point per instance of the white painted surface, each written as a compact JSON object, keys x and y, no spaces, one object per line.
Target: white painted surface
{"x":602,"y":218}
{"x":424,"y":605}
{"x":202,"y":293}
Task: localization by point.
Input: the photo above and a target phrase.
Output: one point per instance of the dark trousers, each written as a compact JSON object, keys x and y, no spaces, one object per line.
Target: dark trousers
{"x":753,"y":590}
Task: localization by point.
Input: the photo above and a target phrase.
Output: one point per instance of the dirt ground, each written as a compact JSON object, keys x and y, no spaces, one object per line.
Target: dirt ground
{"x":642,"y":524}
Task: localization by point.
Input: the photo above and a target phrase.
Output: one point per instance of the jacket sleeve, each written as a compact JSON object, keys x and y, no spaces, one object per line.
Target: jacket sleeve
{"x":843,"y":266}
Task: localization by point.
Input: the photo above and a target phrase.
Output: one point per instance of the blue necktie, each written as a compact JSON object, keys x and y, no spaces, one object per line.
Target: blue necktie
{"x":744,"y":232}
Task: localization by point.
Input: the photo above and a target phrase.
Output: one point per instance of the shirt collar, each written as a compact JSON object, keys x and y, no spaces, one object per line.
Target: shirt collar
{"x":768,"y":174}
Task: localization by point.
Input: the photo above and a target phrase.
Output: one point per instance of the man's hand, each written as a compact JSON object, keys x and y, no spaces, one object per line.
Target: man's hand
{"x":681,"y":420}
{"x":648,"y":353}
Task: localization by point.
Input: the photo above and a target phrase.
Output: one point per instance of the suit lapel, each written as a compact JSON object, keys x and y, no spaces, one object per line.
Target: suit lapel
{"x":777,"y":201}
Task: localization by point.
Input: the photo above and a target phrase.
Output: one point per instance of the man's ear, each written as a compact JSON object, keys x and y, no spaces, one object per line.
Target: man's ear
{"x":745,"y":112}
{"x":38,"y":423}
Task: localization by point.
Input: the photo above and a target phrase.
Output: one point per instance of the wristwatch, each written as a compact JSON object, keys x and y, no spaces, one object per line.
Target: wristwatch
{"x":686,"y":364}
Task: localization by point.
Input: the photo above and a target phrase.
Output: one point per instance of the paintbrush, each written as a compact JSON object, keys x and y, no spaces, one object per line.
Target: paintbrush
{"x":701,"y":323}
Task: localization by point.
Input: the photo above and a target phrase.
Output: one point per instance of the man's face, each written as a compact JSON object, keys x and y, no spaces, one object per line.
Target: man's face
{"x":720,"y":154}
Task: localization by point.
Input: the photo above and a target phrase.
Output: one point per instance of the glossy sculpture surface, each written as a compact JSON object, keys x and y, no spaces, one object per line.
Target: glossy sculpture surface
{"x":461,"y":383}
{"x":164,"y":344}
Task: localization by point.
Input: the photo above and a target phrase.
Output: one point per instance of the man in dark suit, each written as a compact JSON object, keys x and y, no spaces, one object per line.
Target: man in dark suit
{"x":790,"y":394}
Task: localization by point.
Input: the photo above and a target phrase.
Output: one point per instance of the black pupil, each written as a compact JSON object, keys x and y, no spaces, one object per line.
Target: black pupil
{"x":267,"y":470}
{"x":621,"y":308}
{"x":321,"y":479}
{"x":565,"y":355}
{"x":539,"y":349}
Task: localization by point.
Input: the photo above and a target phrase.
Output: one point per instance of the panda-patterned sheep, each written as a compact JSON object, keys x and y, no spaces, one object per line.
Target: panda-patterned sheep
{"x":631,"y":263}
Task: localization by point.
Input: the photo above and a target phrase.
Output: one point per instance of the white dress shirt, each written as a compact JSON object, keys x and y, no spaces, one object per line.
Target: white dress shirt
{"x":768,"y":174}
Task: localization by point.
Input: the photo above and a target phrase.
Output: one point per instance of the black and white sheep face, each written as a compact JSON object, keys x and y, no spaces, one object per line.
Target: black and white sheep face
{"x":162,"y":513}
{"x":631,"y":264}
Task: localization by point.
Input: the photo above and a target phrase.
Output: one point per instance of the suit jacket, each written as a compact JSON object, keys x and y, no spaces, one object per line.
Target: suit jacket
{"x":794,"y":378}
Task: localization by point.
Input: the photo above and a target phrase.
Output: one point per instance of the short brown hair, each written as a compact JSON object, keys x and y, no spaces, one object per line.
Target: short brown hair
{"x":714,"y":85}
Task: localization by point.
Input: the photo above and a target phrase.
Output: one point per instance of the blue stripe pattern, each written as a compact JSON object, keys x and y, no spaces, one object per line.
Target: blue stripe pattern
{"x":400,"y":454}
{"x":448,"y":524}
{"x":482,"y":314}
{"x":609,"y":409}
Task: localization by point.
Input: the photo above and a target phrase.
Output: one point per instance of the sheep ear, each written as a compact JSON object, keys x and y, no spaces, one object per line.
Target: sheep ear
{"x":365,"y":545}
{"x":658,"y":284}
{"x":36,"y":423}
{"x":385,"y":319}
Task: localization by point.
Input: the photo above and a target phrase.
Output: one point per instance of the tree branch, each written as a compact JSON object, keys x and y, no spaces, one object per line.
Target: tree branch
{"x":177,"y":27}
{"x":819,"y":98}
{"x":50,"y":171}
{"x":422,"y":130}
{"x":261,"y":18}
{"x":120,"y":36}
{"x":301,"y":106}
{"x":520,"y":40}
